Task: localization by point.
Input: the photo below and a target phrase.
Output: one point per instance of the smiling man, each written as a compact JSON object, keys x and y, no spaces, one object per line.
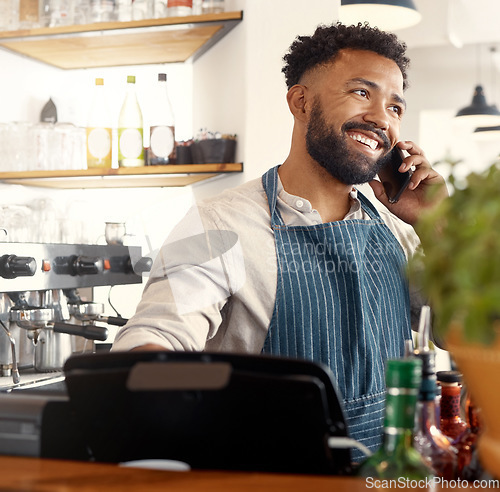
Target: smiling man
{"x":300,"y":263}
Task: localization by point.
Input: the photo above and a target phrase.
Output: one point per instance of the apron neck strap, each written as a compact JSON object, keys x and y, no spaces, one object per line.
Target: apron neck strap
{"x":270,"y":184}
{"x":368,"y":206}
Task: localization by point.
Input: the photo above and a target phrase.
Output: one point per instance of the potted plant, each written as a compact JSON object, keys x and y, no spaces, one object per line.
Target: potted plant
{"x":459,"y":271}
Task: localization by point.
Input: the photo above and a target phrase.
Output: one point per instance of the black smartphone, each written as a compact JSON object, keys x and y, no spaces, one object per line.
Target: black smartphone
{"x":394,"y":182}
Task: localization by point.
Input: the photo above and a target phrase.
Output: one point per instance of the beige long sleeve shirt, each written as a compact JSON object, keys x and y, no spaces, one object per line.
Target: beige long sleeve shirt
{"x":213,"y":283}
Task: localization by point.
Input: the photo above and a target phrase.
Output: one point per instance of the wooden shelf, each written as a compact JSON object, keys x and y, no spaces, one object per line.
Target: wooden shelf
{"x":124,"y":177}
{"x":107,"y":44}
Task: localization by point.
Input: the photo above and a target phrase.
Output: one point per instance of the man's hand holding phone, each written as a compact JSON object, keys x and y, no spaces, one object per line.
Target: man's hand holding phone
{"x":407,"y":196}
{"x":393,"y":180}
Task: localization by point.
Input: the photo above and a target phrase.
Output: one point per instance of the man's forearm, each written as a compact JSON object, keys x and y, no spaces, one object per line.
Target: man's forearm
{"x":148,"y":346}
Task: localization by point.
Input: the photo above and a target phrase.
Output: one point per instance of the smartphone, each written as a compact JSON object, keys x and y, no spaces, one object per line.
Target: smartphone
{"x":394,"y":182}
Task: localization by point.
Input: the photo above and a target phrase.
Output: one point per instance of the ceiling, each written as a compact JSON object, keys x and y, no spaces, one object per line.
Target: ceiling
{"x":454,"y":22}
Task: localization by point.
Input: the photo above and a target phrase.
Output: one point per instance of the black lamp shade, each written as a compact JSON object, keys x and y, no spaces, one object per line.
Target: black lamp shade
{"x":409,"y":4}
{"x":479,"y":106}
{"x":487,"y":133}
{"x":389,"y":15}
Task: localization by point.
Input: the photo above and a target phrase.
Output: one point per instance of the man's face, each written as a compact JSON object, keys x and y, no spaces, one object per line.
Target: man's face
{"x":355,"y":114}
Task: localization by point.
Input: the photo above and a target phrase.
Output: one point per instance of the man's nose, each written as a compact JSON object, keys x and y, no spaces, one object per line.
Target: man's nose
{"x":377,"y":116}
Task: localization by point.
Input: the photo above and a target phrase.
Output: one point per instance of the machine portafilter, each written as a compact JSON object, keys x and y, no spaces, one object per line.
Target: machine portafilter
{"x":35,"y":318}
{"x":89,"y":311}
{"x":37,"y":315}
{"x":47,"y":328}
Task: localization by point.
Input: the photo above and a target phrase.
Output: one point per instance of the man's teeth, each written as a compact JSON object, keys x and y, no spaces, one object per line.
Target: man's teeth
{"x":373,"y":144}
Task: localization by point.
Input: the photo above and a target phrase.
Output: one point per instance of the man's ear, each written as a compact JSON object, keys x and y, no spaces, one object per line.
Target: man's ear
{"x":297,"y":98}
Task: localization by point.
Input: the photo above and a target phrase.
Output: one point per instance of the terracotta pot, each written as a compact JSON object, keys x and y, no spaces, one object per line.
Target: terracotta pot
{"x":480,"y":366}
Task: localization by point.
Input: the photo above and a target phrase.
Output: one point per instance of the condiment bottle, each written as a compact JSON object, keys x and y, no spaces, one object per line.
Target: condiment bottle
{"x":397,"y":457}
{"x":468,"y":461}
{"x":130,"y":129}
{"x":99,"y":129}
{"x":162,"y":129}
{"x":178,"y":8}
{"x":432,"y":444}
{"x":452,"y":424}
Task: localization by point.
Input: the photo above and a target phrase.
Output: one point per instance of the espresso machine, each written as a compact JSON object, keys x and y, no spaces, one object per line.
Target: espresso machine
{"x":44,"y":318}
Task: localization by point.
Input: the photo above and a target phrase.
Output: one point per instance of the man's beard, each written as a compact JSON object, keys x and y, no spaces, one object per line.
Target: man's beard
{"x":331,"y":152}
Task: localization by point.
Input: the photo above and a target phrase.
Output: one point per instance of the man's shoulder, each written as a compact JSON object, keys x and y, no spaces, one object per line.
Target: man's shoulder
{"x":245,"y":197}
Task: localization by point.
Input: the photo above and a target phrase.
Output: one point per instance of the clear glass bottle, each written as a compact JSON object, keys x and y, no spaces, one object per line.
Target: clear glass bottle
{"x":142,"y":9}
{"x":162,"y":129}
{"x":397,"y":458}
{"x":101,"y":11}
{"x":99,"y":131}
{"x":179,"y":8}
{"x":123,"y":10}
{"x":213,"y":6}
{"x":9,"y":15}
{"x":58,"y":12}
{"x":160,"y":9}
{"x":130,"y":129}
{"x":429,"y":441}
{"x":81,"y":15}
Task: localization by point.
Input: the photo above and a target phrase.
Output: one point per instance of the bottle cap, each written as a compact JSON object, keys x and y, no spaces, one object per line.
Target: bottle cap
{"x":130,"y":79}
{"x":449,"y":376}
{"x":99,"y":81}
{"x":403,"y":373}
{"x":162,"y":77}
{"x":428,"y":358}
{"x":428,"y":387}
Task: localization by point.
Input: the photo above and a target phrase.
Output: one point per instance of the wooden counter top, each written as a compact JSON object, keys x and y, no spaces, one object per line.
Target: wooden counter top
{"x":44,"y":475}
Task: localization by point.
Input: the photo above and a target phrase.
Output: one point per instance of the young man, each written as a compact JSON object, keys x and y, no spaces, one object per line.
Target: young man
{"x":300,"y":263}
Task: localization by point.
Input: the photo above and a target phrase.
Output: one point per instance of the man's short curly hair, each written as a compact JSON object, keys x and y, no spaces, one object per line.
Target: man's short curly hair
{"x":323,"y":46}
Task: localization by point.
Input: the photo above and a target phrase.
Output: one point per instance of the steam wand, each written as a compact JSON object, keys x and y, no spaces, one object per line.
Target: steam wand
{"x":15,"y":370}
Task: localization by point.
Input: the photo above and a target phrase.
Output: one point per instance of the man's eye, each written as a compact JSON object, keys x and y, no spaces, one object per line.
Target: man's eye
{"x":361,"y":92}
{"x":397,"y":109}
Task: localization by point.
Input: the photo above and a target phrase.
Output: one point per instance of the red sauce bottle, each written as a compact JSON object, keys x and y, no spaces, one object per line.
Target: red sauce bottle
{"x":452,"y":424}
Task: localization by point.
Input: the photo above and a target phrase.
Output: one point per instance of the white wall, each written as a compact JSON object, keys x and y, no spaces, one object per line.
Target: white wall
{"x":236,"y":87}
{"x":442,"y":82}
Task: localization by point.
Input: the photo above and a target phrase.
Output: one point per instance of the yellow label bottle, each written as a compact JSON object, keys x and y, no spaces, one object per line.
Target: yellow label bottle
{"x":99,"y":130}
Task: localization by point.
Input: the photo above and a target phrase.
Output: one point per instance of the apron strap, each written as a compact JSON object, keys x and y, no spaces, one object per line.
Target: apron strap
{"x":270,"y":184}
{"x":368,"y":206}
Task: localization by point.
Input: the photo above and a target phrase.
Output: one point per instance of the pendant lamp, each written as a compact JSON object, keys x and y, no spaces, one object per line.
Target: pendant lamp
{"x":487,"y":133}
{"x":388,"y":15}
{"x":479,"y":113}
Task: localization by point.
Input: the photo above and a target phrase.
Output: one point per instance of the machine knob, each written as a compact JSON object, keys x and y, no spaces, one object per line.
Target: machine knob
{"x":12,"y":266}
{"x":87,"y":265}
{"x":143,"y":265}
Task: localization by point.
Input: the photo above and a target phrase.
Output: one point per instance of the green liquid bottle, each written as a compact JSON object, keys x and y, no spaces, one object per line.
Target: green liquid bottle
{"x":397,"y":458}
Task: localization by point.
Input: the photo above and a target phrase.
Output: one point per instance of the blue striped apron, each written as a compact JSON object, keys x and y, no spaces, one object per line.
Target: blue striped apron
{"x":342,"y":299}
